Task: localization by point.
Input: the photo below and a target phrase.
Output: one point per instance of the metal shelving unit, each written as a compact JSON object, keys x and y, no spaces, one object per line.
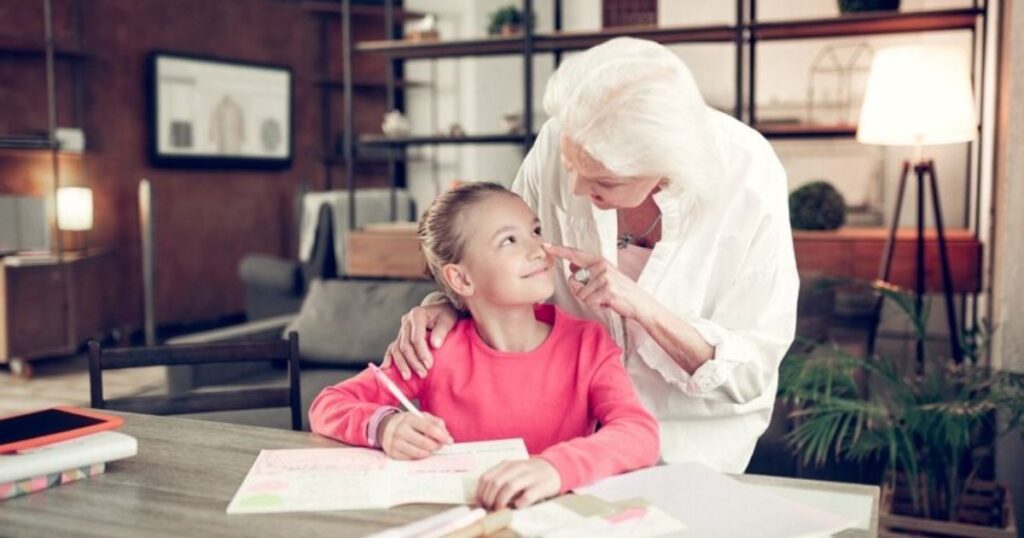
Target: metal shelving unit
{"x":745,"y":35}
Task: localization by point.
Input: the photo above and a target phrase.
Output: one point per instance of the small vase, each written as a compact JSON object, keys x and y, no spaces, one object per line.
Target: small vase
{"x":509,"y":29}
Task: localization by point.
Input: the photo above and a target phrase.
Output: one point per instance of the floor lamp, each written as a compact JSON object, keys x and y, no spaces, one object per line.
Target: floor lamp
{"x":919,"y":96}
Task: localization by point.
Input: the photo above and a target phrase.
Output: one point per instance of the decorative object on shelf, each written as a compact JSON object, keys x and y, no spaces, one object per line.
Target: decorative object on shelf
{"x":211,"y":113}
{"x":933,"y":430}
{"x":23,"y":224}
{"x":455,"y":130}
{"x":395,"y":124}
{"x":629,"y":13}
{"x":423,"y":30}
{"x":508,"y":21}
{"x":70,"y":139}
{"x":857,"y":6}
{"x":511,"y":122}
{"x":917,"y":96}
{"x":836,"y":83}
{"x":817,"y":206}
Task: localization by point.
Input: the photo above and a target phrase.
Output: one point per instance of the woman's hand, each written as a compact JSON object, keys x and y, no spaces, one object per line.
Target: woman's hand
{"x":607,"y":287}
{"x":517,"y":484}
{"x":410,"y":350}
{"x":406,"y":436}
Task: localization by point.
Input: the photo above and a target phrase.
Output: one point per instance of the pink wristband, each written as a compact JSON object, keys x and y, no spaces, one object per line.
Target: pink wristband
{"x":375,"y":419}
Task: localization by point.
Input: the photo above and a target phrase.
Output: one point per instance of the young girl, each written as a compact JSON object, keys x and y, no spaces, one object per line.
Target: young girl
{"x":513,"y":368}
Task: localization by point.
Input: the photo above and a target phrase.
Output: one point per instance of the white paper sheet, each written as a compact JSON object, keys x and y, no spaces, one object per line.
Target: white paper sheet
{"x":320,"y":479}
{"x":712,"y":504}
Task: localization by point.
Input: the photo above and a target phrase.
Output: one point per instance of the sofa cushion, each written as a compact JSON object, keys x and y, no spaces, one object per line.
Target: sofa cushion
{"x":351,"y":322}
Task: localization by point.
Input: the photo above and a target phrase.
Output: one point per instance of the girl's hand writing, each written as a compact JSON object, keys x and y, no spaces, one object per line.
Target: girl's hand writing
{"x":405,"y":436}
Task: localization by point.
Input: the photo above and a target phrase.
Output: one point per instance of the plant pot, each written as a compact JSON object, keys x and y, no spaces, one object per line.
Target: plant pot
{"x":857,"y":6}
{"x":986,"y":512}
{"x":509,"y":30}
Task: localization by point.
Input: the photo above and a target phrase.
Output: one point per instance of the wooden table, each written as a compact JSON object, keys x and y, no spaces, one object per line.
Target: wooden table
{"x":183,"y":478}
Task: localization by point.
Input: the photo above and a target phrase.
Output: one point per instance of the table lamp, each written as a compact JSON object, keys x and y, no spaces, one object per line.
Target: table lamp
{"x":919,"y":96}
{"x":74,"y":209}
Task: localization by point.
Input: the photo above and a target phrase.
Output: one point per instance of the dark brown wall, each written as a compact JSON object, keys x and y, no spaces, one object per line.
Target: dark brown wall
{"x":205,"y":221}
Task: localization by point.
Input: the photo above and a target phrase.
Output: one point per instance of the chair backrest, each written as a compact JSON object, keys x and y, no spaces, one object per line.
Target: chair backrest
{"x":191,"y":354}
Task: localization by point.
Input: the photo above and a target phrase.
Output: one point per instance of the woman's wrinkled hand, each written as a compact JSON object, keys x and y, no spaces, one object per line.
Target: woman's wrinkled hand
{"x":410,"y":351}
{"x":606,"y":287}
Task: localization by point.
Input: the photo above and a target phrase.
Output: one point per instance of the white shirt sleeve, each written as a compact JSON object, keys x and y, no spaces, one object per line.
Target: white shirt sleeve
{"x":752,"y":322}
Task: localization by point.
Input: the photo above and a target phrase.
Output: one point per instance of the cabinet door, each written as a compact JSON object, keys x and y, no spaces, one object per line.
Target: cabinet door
{"x":36,"y":320}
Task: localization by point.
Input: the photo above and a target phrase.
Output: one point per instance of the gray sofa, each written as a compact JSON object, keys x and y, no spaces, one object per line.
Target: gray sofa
{"x":342,"y":324}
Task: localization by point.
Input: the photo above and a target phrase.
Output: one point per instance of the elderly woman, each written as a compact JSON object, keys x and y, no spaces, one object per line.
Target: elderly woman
{"x":674,"y":220}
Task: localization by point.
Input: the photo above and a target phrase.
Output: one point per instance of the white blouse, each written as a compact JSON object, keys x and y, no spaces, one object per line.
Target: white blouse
{"x":724,"y":263}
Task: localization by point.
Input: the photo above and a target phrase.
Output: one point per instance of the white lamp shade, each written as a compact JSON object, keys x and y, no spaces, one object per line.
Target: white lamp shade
{"x":918,"y":95}
{"x":74,"y":208}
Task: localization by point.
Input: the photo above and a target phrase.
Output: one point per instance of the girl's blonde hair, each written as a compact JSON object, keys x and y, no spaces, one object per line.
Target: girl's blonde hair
{"x":441,"y":228}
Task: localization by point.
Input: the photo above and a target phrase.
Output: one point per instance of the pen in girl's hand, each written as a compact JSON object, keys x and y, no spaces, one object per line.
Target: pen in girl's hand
{"x":394,"y":390}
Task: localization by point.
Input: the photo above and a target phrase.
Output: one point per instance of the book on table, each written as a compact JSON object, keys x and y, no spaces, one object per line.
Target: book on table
{"x":62,"y":462}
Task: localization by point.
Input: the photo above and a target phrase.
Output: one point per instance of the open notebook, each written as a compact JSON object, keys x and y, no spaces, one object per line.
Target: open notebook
{"x":321,"y":479}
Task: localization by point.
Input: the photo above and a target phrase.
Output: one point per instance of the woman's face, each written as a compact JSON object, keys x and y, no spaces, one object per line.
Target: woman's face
{"x":606,"y":190}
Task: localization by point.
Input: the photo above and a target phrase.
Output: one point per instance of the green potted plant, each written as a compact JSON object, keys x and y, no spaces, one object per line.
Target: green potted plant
{"x":931,"y":428}
{"x":817,"y":206}
{"x":507,"y":21}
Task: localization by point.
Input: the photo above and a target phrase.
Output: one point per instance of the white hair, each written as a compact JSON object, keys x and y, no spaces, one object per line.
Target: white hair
{"x":634,"y":106}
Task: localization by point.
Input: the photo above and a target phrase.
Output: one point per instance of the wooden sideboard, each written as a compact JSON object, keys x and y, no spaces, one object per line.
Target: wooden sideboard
{"x":847,"y":252}
{"x":857,"y":253}
{"x":52,"y":308}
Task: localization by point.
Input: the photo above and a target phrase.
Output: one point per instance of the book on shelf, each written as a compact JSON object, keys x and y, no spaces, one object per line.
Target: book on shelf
{"x":25,"y":258}
{"x":66,"y":456}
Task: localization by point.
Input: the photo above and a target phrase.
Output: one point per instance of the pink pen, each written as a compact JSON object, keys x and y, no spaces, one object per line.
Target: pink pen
{"x":394,"y":390}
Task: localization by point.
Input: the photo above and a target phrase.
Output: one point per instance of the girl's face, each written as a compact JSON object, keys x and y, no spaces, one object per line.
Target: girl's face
{"x":503,"y":262}
{"x":606,"y":190}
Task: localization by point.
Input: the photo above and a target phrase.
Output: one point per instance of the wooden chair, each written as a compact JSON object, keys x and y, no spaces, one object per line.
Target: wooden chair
{"x":197,"y":402}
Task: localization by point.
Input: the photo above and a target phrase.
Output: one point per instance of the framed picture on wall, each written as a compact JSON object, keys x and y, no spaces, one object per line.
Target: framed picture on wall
{"x":212,"y":113}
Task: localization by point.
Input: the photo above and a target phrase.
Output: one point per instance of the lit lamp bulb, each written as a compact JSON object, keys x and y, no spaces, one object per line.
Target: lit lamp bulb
{"x":74,"y":208}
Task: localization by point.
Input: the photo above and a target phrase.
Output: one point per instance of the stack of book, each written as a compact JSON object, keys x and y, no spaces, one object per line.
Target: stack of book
{"x":62,"y":462}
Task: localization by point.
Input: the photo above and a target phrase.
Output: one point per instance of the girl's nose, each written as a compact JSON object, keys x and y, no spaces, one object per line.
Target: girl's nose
{"x":537,"y":251}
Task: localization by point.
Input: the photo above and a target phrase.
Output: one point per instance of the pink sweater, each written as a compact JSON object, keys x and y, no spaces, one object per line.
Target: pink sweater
{"x":553,"y":397}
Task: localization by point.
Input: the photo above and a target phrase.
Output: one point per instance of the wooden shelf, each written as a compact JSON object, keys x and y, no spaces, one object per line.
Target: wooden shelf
{"x":856,"y":253}
{"x":375,"y":154}
{"x":10,"y":47}
{"x":867,"y":24}
{"x":566,"y":41}
{"x":367,"y":83}
{"x":846,"y":25}
{"x":545,"y":42}
{"x":358,"y":10}
{"x":486,"y":46}
{"x":381,"y":140}
{"x":805,"y":130}
{"x":25,"y":142}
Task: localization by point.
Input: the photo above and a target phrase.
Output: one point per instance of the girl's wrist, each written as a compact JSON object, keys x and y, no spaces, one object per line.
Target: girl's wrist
{"x":382,"y":427}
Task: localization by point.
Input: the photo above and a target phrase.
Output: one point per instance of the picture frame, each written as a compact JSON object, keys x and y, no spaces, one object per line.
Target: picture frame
{"x":208,"y":112}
